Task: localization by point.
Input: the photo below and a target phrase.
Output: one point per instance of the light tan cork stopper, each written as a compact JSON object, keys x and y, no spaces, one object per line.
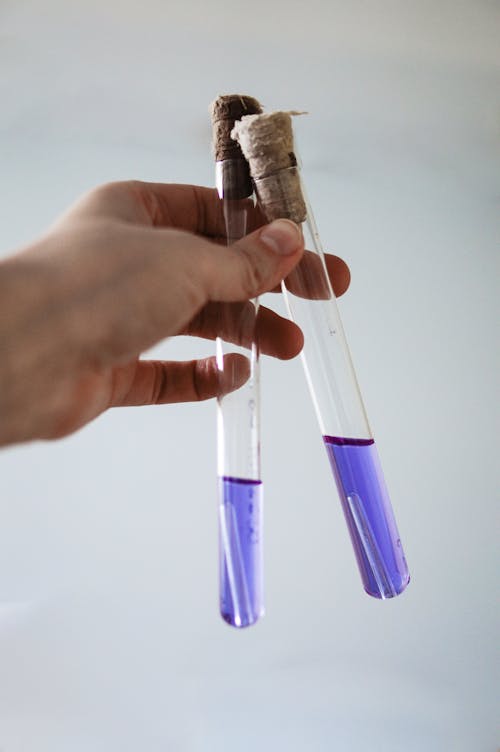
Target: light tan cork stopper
{"x":266,"y":140}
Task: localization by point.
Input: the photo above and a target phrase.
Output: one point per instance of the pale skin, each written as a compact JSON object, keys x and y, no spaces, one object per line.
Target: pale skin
{"x":127,"y":266}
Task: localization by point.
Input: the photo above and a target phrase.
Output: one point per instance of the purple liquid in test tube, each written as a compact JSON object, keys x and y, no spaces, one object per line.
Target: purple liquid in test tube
{"x":240,"y":529}
{"x":369,"y":515}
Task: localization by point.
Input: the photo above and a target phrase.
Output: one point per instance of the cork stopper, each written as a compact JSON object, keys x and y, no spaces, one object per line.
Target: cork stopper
{"x":266,"y":140}
{"x":224,"y":111}
{"x":233,"y":174}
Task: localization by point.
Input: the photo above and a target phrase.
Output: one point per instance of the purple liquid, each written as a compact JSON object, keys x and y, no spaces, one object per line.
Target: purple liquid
{"x":370,"y":519}
{"x":240,"y":535}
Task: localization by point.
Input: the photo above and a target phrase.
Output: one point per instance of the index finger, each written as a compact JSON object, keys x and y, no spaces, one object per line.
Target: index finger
{"x":194,"y":208}
{"x":191,"y":208}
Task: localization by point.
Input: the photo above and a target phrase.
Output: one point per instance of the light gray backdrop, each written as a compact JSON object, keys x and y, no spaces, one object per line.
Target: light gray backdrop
{"x":109,"y":632}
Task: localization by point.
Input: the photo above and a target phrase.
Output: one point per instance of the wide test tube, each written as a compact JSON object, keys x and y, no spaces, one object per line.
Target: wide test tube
{"x":328,"y":366}
{"x":238,"y":420}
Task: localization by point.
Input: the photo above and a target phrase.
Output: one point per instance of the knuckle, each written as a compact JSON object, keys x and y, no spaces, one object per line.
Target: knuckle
{"x":159,"y":386}
{"x":246,"y":318}
{"x":110,"y":189}
{"x":198,"y":373}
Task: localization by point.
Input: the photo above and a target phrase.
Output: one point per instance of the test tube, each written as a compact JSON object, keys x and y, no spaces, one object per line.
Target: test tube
{"x":267,"y":142}
{"x":238,"y":412}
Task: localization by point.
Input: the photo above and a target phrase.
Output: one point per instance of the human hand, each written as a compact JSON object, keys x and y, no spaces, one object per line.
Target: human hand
{"x":130,"y":264}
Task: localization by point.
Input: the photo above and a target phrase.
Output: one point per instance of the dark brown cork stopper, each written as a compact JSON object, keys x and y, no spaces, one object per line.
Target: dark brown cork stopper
{"x":234,"y":173}
{"x":225,"y":110}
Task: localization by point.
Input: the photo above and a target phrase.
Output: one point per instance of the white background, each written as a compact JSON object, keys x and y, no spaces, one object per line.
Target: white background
{"x":109,"y":633}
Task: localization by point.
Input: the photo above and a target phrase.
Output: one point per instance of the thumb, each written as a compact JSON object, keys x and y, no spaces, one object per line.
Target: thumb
{"x":253,"y":265}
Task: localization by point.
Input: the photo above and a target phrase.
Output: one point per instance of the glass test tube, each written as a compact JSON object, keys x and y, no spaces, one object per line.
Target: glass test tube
{"x":238,"y":430}
{"x":341,"y":415}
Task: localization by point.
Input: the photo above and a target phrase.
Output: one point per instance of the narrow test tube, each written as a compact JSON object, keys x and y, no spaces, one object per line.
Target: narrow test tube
{"x":238,"y":405}
{"x":267,"y":142}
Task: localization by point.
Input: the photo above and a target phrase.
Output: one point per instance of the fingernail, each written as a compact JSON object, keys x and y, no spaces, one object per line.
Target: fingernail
{"x":282,"y":236}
